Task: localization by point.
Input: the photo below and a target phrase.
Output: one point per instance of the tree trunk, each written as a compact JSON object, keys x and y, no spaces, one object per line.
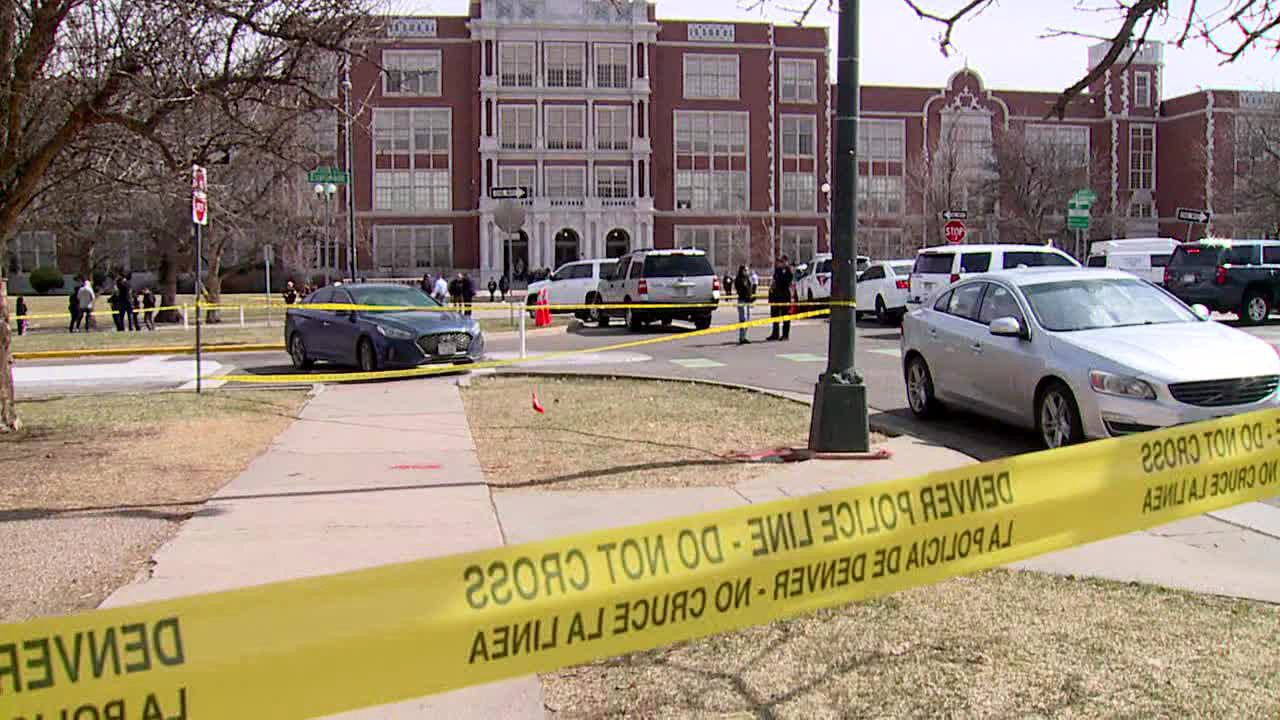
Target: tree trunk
{"x":167,"y":279}
{"x":213,"y":288}
{"x":8,"y":407}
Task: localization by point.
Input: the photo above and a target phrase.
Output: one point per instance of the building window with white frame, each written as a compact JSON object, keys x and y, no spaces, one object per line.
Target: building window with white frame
{"x":613,"y":127}
{"x":881,"y":144}
{"x":565,"y":64}
{"x":880,"y":195}
{"x":32,"y":249}
{"x":799,"y":192}
{"x":525,"y":176}
{"x":1142,"y":208}
{"x":798,"y":80}
{"x":516,"y":64}
{"x":881,"y":140}
{"x":726,"y":247}
{"x":710,"y":76}
{"x":566,"y":127}
{"x":1142,"y":89}
{"x":565,"y":183}
{"x":411,"y":72}
{"x":613,"y":182}
{"x":798,"y":135}
{"x":1142,"y":157}
{"x":516,"y":126}
{"x":613,"y":66}
{"x":709,"y":140}
{"x":968,"y":135}
{"x":413,"y":247}
{"x":1069,"y":142}
{"x":416,"y":142}
{"x":324,"y":132}
{"x":799,"y":243}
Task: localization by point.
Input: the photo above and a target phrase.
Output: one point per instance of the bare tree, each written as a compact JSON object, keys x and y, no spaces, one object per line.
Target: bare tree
{"x":1256,"y":190}
{"x":1034,"y":178}
{"x":72,"y":70}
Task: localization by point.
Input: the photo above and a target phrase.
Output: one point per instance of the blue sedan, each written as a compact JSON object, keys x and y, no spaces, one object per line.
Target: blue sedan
{"x":379,"y":339}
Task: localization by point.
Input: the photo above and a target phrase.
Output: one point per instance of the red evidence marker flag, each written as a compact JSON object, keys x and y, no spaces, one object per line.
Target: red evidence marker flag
{"x":537,"y":405}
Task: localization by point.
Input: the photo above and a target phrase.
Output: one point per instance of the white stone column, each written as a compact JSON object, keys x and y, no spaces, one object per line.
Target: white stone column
{"x":486,"y":253}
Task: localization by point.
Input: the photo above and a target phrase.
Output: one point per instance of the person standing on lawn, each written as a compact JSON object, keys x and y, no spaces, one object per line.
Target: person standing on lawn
{"x":746,"y":296}
{"x":21,"y":309}
{"x":149,"y":304}
{"x":290,"y":293}
{"x":493,"y":289}
{"x":780,"y":297}
{"x":468,"y":292}
{"x":85,"y":298}
{"x":73,"y":306}
{"x":504,"y":286}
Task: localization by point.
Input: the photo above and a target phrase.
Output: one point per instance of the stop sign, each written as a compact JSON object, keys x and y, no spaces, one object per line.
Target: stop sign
{"x":954,"y":232}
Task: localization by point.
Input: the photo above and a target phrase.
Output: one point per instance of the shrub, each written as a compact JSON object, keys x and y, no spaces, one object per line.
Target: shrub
{"x":44,"y":279}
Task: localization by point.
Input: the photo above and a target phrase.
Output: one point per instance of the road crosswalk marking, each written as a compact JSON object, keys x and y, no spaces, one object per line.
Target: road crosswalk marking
{"x":891,"y":352}
{"x":803,"y":357}
{"x":697,"y":363}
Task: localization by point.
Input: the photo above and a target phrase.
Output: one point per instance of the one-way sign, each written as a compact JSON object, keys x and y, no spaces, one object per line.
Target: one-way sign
{"x":955,"y":214}
{"x":1193,"y":216}
{"x":509,"y":193}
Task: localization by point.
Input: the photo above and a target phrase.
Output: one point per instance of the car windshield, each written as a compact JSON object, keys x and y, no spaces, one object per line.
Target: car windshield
{"x":1102,"y":303}
{"x":676,"y":265}
{"x":901,"y":268}
{"x":391,"y":296}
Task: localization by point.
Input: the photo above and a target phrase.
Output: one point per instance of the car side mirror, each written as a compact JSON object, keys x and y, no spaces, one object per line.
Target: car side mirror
{"x":1201,"y":311}
{"x":1006,"y":327}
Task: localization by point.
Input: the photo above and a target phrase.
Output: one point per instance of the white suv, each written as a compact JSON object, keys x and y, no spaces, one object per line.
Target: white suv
{"x":938,"y":267}
{"x":574,"y":283}
{"x":680,"y":284}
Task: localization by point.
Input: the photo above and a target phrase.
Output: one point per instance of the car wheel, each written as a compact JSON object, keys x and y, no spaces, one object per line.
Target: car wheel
{"x":1256,"y":308}
{"x":1058,"y":417}
{"x":633,"y":321}
{"x":702,"y":322}
{"x":882,"y":314}
{"x":920,"y":389}
{"x":601,"y":315}
{"x":366,"y":356}
{"x":298,"y":353}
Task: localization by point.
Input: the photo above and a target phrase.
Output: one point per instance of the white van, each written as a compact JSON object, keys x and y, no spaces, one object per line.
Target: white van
{"x":1144,"y":257}
{"x":939,"y":266}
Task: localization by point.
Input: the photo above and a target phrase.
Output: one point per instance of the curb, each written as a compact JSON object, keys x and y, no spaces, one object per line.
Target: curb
{"x":170,"y":350}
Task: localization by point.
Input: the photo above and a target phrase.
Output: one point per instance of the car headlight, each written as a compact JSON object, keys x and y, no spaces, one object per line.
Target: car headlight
{"x":1122,"y":385}
{"x":394,"y":333}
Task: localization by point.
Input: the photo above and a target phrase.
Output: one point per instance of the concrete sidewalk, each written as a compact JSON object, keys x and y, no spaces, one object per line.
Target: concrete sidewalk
{"x":369,"y":475}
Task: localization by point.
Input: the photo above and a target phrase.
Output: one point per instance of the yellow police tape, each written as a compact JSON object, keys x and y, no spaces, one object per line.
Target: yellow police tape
{"x":308,"y":378}
{"x":327,"y":644}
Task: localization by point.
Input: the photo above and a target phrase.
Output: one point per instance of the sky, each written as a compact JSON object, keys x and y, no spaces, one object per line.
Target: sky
{"x":1003,"y":44}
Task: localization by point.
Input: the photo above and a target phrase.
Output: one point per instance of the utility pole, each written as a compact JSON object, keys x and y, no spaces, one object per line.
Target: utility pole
{"x":352,"y":257}
{"x":839,"y":421}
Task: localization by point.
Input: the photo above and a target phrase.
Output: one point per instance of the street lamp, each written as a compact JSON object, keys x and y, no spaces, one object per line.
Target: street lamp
{"x":325,"y":192}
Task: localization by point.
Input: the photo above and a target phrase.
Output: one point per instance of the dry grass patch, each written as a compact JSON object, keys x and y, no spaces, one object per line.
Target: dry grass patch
{"x":92,"y":485}
{"x":999,"y":644}
{"x":103,"y":337}
{"x":603,"y":433}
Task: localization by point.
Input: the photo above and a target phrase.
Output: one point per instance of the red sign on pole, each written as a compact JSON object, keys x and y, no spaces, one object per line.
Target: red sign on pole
{"x":199,"y":200}
{"x":954,"y":232}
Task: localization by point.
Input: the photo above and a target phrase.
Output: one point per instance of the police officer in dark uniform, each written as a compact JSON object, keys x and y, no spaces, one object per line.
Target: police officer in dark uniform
{"x":780,"y":296}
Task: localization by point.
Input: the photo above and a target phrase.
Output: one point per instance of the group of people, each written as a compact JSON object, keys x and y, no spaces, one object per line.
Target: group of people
{"x":123,"y":301}
{"x":293,"y":294}
{"x":783,"y":298}
{"x":458,"y":292}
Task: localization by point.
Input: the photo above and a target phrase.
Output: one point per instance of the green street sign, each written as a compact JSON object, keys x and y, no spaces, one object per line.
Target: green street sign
{"x":328,"y":175}
{"x":1078,"y":222}
{"x":1084,"y":197}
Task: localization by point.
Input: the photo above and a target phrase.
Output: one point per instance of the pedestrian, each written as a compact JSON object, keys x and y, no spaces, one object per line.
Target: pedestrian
{"x":504,"y":286}
{"x":290,"y":293}
{"x":746,"y":296}
{"x":85,"y":298}
{"x":73,"y":306}
{"x":728,"y":285}
{"x":780,"y":296}
{"x":468,"y":288}
{"x":22,"y":315}
{"x":441,"y":289}
{"x":113,"y":302}
{"x":519,"y":268}
{"x":455,"y":291}
{"x":425,"y":285}
{"x":493,"y":289}
{"x":129,"y":314}
{"x":149,"y":304}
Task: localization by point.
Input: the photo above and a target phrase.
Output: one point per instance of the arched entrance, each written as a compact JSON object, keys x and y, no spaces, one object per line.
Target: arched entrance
{"x":616,"y":243}
{"x":515,"y":257}
{"x":568,"y":246}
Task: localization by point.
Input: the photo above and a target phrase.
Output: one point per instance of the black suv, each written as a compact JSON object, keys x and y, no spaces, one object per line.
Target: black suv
{"x":1242,"y":277}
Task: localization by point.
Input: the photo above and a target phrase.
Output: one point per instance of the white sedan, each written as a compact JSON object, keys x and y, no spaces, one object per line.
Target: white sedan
{"x":1080,"y":353}
{"x":883,"y":288}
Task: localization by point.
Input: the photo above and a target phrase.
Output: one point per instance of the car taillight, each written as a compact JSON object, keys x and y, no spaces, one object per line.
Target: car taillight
{"x":1166,"y":276}
{"x":903,"y":284}
{"x":643,"y":287}
{"x":955,"y":277}
{"x":1221,"y":277}
{"x":715,"y":283}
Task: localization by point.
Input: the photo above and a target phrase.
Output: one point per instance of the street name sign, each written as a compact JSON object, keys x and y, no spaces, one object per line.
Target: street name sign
{"x":509,"y":193}
{"x":1193,"y":216}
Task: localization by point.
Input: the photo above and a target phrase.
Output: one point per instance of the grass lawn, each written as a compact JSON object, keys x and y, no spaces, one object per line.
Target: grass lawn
{"x":1001,"y":644}
{"x":664,"y":434}
{"x":102,"y":338}
{"x":490,"y":322}
{"x":92,"y":485}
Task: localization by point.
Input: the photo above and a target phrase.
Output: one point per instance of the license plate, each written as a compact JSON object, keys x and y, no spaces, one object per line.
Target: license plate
{"x":1188,"y":278}
{"x":682,"y":291}
{"x":447,"y":348}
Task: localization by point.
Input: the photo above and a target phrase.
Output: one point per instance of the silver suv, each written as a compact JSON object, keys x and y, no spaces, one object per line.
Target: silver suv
{"x":662,"y":278}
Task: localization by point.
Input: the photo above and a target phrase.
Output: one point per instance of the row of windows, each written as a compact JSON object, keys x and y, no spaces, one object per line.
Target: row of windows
{"x":728,"y":246}
{"x":565,"y":127}
{"x":421,"y":246}
{"x":563,"y":65}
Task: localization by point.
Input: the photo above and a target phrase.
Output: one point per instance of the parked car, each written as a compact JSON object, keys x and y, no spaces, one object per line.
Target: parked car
{"x":883,"y":287}
{"x":1080,"y":353}
{"x":938,"y":267}
{"x":1145,"y":257}
{"x":813,"y":279}
{"x":379,"y":339}
{"x":663,"y":278}
{"x":574,"y":283}
{"x":1242,"y":277}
